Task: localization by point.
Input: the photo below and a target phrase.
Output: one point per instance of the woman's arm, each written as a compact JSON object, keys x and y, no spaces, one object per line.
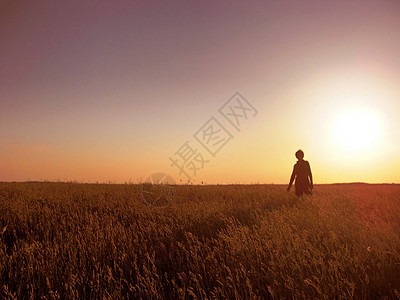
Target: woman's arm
{"x":292,"y":178}
{"x":310,"y":175}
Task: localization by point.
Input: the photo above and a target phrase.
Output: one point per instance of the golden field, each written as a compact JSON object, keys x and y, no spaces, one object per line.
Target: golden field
{"x":68,"y":240}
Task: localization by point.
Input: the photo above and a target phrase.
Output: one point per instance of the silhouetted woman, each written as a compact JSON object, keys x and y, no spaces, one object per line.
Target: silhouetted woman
{"x":302,"y":174}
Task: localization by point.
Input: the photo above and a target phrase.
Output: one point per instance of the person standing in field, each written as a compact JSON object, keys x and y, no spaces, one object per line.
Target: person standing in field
{"x":302,"y":174}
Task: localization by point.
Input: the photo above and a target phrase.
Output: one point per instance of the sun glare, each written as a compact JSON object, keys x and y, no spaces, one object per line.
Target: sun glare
{"x":358,"y":130}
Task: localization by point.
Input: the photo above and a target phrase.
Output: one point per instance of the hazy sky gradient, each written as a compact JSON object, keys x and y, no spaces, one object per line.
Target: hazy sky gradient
{"x":109,"y":90}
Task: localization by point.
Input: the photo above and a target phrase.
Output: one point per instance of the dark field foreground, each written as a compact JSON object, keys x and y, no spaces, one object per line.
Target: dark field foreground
{"x":61,"y":240}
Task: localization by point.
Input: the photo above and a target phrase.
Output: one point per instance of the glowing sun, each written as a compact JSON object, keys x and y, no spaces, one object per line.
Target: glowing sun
{"x":358,"y":129}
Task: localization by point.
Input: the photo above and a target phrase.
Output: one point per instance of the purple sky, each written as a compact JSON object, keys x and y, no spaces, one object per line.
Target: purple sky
{"x":108,"y":90}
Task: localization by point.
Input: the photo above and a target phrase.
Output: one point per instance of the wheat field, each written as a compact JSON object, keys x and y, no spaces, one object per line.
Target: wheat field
{"x":101,"y":241}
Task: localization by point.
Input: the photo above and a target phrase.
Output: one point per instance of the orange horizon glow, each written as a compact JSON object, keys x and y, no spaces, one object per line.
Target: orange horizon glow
{"x":108,"y":93}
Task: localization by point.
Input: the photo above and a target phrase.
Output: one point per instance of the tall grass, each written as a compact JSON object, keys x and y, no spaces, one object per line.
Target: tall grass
{"x":64,"y":240}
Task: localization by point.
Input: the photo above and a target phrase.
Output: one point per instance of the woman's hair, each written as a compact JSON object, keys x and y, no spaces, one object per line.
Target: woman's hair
{"x":299,"y":154}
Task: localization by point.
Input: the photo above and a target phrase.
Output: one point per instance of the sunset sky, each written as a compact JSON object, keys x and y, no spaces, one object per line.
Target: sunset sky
{"x":110,"y":90}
